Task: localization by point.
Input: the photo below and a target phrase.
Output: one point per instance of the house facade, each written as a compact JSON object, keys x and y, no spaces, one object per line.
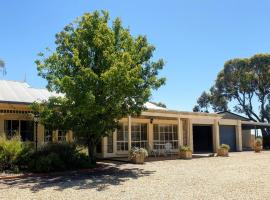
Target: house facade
{"x":154,"y":128}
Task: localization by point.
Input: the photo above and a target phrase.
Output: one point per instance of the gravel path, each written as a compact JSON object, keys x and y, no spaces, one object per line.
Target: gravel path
{"x":244,"y":175}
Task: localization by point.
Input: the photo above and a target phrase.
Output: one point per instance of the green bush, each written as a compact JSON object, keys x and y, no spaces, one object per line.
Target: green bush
{"x":10,"y":150}
{"x":184,"y":148}
{"x":16,"y":155}
{"x":225,"y":146}
{"x":57,"y":157}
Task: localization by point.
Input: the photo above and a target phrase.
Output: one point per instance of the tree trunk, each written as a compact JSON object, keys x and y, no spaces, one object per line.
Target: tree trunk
{"x":92,"y":152}
{"x":266,"y":137}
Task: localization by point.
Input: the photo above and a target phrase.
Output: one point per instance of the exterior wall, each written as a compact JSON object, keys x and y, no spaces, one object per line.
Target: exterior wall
{"x":183,"y":120}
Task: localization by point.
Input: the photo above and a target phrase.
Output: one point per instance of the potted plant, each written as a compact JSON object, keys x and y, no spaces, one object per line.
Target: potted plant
{"x":137,"y":155}
{"x":185,"y":152}
{"x":223,"y":150}
{"x":258,"y":145}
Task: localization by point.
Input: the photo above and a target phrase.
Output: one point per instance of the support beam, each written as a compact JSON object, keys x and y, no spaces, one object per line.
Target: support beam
{"x":150,"y":136}
{"x":180,"y":132}
{"x":2,"y":129}
{"x":104,"y":142}
{"x":216,"y":140}
{"x":115,"y":141}
{"x":190,"y":134}
{"x":239,"y":136}
{"x":129,"y":132}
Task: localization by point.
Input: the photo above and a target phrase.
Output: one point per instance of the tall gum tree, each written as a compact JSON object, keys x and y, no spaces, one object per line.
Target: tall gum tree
{"x":245,"y":83}
{"x":105,"y":74}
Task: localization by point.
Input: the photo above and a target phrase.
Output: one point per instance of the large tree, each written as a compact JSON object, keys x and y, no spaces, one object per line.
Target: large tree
{"x":245,"y":84}
{"x":2,"y":67}
{"x":104,"y":74}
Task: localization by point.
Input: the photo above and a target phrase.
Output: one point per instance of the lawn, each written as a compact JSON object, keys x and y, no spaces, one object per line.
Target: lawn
{"x":244,"y":175}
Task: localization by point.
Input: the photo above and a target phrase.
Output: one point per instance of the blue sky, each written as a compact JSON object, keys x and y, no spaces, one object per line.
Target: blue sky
{"x":194,"y":37}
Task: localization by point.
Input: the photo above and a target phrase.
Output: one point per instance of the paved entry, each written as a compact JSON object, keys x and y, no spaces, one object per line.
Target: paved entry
{"x":202,"y":138}
{"x":228,"y":136}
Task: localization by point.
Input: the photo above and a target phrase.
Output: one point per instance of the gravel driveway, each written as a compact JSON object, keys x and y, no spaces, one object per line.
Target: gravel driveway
{"x":244,"y":175}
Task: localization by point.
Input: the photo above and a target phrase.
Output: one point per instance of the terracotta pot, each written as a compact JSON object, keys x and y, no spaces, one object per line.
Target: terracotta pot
{"x":257,"y":149}
{"x":185,"y":154}
{"x":223,"y":152}
{"x":138,"y":159}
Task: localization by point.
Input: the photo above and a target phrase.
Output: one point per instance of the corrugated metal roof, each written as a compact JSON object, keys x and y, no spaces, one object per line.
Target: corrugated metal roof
{"x":21,"y":92}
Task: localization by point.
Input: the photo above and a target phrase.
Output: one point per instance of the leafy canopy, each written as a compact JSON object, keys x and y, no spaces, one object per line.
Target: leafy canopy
{"x":245,"y":83}
{"x":104,"y":73}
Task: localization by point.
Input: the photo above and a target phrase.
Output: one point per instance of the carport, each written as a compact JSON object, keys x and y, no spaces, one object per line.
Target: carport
{"x":249,"y":125}
{"x":202,"y":138}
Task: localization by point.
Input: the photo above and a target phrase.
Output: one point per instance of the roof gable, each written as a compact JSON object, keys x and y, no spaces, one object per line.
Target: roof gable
{"x":230,"y":115}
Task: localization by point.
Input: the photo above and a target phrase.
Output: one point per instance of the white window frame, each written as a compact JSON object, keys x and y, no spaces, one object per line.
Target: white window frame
{"x":63,"y":138}
{"x":137,"y":129}
{"x":48,"y":137}
{"x":162,"y":130}
{"x":124,"y":142}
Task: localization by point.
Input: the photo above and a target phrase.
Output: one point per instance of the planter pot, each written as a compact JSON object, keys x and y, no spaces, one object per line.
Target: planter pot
{"x":223,"y":152}
{"x":138,"y":159}
{"x":257,"y":149}
{"x":185,"y":154}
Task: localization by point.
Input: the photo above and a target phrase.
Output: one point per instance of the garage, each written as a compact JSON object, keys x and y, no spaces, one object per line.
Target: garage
{"x":202,"y":138}
{"x":227,"y":135}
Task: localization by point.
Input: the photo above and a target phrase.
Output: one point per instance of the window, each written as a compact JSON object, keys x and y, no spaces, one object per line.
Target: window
{"x":165,"y":134}
{"x":48,"y":134}
{"x":99,"y":147}
{"x":62,"y":136}
{"x":122,"y":137}
{"x":139,"y":135}
{"x":27,"y":130}
{"x":110,"y":143}
{"x":11,"y":128}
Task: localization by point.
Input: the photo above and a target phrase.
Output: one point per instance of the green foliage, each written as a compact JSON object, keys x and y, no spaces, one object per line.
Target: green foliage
{"x":225,"y":146}
{"x":184,"y":148}
{"x":10,"y":151}
{"x":57,"y":157}
{"x":135,"y":150}
{"x":160,"y":104}
{"x":242,"y":82}
{"x":105,"y":74}
{"x":2,"y":64}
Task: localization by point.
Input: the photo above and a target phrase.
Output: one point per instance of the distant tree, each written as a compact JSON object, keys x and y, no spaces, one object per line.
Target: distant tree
{"x":104,"y":73}
{"x":160,"y":104}
{"x":245,"y":83}
{"x":203,"y":103}
{"x":2,"y":67}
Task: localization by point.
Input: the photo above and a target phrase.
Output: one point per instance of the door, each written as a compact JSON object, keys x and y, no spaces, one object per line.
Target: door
{"x":227,"y":135}
{"x":202,"y":138}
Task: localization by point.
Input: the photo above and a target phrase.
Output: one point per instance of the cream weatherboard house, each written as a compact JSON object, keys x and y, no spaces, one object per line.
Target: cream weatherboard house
{"x":156,"y":126}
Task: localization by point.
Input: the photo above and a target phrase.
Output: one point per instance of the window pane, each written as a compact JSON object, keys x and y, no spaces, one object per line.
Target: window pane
{"x":27,"y":130}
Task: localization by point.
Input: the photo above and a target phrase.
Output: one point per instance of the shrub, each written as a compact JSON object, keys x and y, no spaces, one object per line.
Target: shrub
{"x":184,"y":148}
{"x":57,"y":157}
{"x":258,"y":142}
{"x":225,"y":146}
{"x":10,"y":150}
{"x":135,"y":150}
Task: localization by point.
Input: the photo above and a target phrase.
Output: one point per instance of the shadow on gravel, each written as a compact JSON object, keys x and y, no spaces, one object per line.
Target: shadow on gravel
{"x":100,"y":179}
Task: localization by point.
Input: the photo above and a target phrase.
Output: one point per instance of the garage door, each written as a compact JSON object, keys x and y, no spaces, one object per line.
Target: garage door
{"x":228,"y":136}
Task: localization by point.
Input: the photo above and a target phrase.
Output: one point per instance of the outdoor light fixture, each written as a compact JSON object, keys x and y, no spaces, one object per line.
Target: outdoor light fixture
{"x":36,"y":120}
{"x":151,"y":120}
